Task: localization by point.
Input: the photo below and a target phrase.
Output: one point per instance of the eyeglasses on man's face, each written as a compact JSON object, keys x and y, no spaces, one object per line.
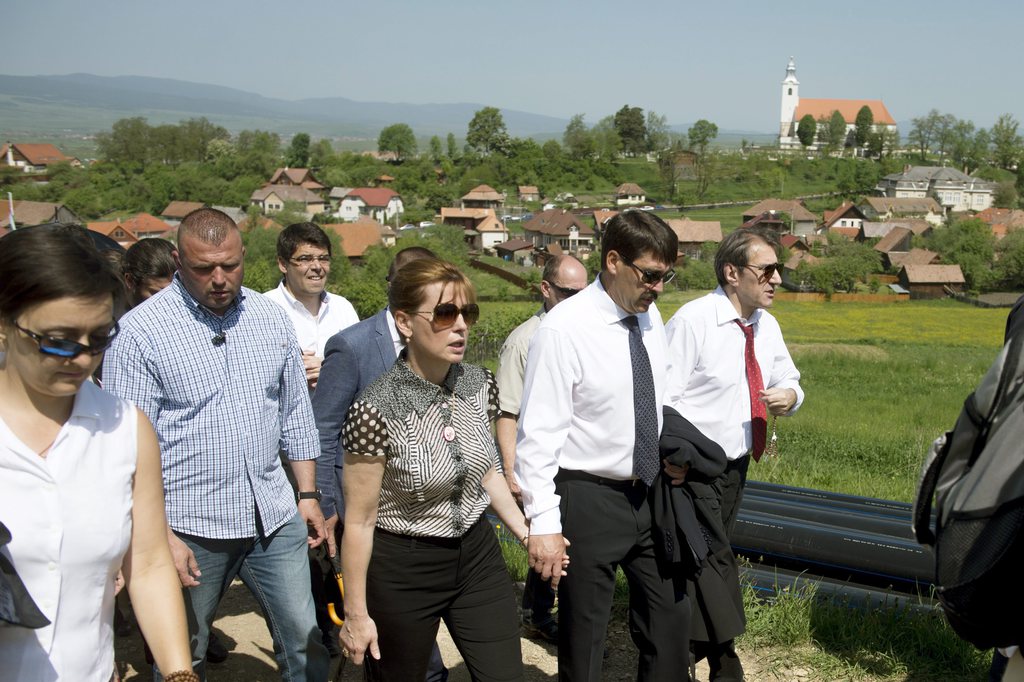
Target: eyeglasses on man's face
{"x":68,"y":349}
{"x":308,"y":261}
{"x":445,"y":314}
{"x":765,"y":272}
{"x":565,"y":292}
{"x":651,"y":277}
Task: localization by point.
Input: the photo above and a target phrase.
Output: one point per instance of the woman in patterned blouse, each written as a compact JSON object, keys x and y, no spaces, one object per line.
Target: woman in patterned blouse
{"x":420,"y":470}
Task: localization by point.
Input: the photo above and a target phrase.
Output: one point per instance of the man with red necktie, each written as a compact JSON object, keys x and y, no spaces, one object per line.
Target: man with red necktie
{"x":729,"y":370}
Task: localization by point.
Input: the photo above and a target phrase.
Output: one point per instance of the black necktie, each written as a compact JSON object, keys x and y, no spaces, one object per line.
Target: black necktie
{"x":645,"y":410}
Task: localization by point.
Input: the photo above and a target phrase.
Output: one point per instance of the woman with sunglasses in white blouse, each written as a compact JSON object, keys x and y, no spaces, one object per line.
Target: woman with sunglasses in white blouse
{"x":80,"y":483}
{"x":420,"y":470}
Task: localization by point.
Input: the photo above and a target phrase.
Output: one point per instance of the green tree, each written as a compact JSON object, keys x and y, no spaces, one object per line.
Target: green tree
{"x":968,"y":148}
{"x":398,"y":139}
{"x":1005,"y":195}
{"x":435,"y":149}
{"x":923,"y":131}
{"x":832,"y":132}
{"x":669,"y":169}
{"x":969,"y":244}
{"x":195,"y":136}
{"x":700,"y":135}
{"x":486,"y":133}
{"x":607,"y":142}
{"x":945,"y":125}
{"x":258,"y":152}
{"x":632,"y":129}
{"x":452,"y":146}
{"x":126,"y":143}
{"x":577,"y":139}
{"x":298,"y":151}
{"x":863,"y":125}
{"x":321,"y":154}
{"x":658,"y":137}
{"x":1006,"y":142}
{"x":1010,"y":265}
{"x":807,"y":130}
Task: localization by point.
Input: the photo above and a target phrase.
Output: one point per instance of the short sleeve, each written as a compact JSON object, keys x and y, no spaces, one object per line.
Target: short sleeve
{"x":365,"y":431}
{"x":492,"y":398}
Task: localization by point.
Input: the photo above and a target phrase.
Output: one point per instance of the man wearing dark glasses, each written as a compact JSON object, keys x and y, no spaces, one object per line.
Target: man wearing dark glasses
{"x":563,"y":277}
{"x":729,"y":370}
{"x":587,"y":454}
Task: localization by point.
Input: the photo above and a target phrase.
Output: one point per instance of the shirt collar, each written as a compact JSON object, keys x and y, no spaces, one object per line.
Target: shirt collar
{"x":296,"y":303}
{"x":421,"y":393}
{"x":87,"y":404}
{"x":609,"y":310}
{"x":726,"y":312}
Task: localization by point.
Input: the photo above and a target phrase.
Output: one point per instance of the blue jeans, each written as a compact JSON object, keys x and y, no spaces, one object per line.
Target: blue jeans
{"x":276,"y":571}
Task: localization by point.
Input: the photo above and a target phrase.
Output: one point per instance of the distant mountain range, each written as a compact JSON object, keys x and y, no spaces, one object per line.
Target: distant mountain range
{"x":83,"y":104}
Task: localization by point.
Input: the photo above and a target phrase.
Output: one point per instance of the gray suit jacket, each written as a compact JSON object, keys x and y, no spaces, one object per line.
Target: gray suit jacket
{"x":353,"y":359}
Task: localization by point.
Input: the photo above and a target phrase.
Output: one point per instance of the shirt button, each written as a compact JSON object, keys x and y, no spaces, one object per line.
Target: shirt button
{"x":444,"y":406}
{"x":52,"y":566}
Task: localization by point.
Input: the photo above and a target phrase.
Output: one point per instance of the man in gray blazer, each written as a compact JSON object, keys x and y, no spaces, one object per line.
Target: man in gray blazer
{"x":353,"y":359}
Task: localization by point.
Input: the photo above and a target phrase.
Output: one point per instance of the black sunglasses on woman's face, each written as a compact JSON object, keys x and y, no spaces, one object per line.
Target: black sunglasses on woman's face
{"x":68,"y":349}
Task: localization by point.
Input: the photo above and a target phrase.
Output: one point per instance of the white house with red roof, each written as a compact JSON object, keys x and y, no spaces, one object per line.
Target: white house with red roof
{"x":33,"y":157}
{"x":795,"y":108}
{"x":380,"y":203}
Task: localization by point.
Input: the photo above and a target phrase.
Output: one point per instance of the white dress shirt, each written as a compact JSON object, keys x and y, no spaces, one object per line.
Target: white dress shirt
{"x":335,"y":314}
{"x":577,"y":410}
{"x":396,"y":339}
{"x":707,"y":376}
{"x":70,"y":520}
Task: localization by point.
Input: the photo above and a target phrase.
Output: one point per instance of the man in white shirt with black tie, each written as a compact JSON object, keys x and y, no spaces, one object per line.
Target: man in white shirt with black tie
{"x":587,"y":454}
{"x":710,"y":384}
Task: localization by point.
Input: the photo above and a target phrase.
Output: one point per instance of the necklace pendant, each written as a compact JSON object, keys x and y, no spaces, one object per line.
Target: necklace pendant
{"x":448,"y":433}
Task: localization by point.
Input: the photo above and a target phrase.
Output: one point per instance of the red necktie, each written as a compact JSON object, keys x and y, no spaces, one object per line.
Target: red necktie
{"x":758,"y":413}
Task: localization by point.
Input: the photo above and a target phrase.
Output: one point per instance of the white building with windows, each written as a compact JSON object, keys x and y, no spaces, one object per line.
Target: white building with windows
{"x":952,"y":189}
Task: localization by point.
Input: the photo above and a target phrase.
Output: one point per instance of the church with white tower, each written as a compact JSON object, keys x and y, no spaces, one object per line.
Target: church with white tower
{"x":794,"y":108}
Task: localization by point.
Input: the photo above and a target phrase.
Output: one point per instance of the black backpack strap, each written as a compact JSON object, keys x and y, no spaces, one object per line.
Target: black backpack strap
{"x":922,"y":521}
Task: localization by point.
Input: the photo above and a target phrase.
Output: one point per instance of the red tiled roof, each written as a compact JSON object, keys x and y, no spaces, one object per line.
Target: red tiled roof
{"x":842,"y":211}
{"x":555,"y":222}
{"x":108,"y":228}
{"x":376,"y":197}
{"x":848,"y":232}
{"x":483,"y":193}
{"x":790,"y":206}
{"x":179,"y":209}
{"x":37,"y":154}
{"x":603,"y":215}
{"x":629,"y":189}
{"x":528,"y":189}
{"x":144,"y":224}
{"x":27,"y":212}
{"x":819,"y":108}
{"x":788,"y":241}
{"x":358,"y":236}
{"x":287,"y":193}
{"x":693,"y":231}
{"x":903,"y":205}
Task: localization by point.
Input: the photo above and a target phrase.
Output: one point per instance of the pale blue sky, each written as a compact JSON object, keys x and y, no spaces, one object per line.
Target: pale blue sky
{"x":722,"y":60}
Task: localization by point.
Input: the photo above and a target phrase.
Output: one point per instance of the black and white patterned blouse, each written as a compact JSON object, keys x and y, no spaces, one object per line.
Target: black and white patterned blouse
{"x":438,"y":444}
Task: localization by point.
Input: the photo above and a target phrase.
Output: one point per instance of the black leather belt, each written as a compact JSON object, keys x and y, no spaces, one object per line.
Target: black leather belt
{"x":616,"y":483}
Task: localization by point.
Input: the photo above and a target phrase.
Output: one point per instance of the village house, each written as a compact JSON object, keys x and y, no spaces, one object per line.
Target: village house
{"x":481,"y":227}
{"x":794,"y":108}
{"x":514,"y":250}
{"x":529,"y":193}
{"x":931,"y":281}
{"x":1002,"y":221}
{"x":146,"y":226}
{"x":630,"y":194}
{"x":954,"y":190}
{"x":272,"y":199}
{"x":800,"y":221}
{"x":693,"y":234}
{"x":557,"y":226}
{"x":887,"y":208}
{"x":845,"y":220}
{"x":380,"y":203}
{"x":177,"y":210}
{"x":483,"y":196}
{"x":602,"y":216}
{"x":33,"y":157}
{"x":28,"y":213}
{"x":116,"y":230}
{"x":896,"y":240}
{"x":356,"y":237}
{"x":794,"y":243}
{"x":876,"y":230}
{"x":297,"y":177}
{"x":894,"y":260}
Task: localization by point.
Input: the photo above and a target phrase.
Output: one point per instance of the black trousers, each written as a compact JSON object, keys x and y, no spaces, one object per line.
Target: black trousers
{"x":609,"y":525}
{"x":730,"y":485}
{"x":414,"y":583}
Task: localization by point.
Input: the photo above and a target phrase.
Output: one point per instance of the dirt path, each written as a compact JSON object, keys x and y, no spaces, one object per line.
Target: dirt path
{"x":244,"y":633}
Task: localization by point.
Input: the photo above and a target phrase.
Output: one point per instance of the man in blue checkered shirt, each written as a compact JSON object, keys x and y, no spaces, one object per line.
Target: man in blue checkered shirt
{"x":217,"y":369}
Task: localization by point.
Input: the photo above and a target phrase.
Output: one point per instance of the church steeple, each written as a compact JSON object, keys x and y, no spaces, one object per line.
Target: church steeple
{"x":790,"y":102}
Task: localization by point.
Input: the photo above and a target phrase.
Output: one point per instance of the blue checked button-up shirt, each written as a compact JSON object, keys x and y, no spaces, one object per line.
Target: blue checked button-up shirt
{"x":222,"y":410}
